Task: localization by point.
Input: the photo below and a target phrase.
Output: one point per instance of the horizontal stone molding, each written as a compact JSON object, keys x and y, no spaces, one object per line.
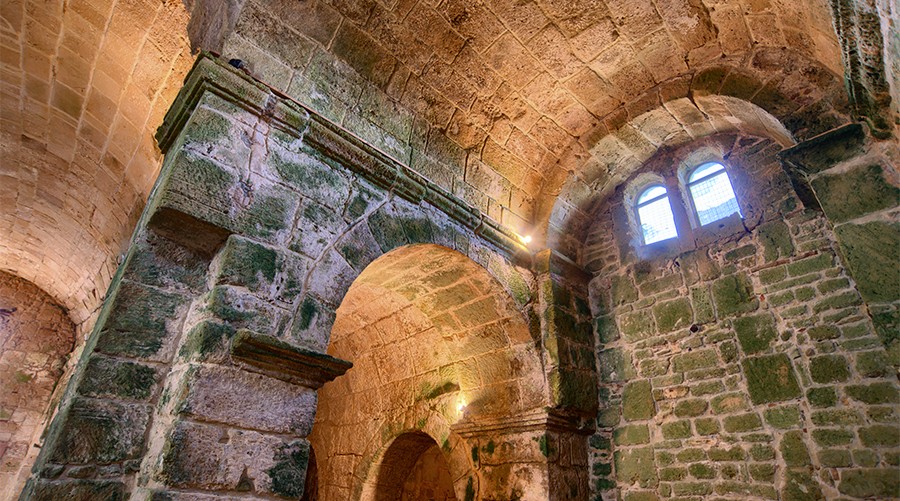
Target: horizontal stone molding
{"x":211,"y":74}
{"x":540,"y":420}
{"x":283,"y":361}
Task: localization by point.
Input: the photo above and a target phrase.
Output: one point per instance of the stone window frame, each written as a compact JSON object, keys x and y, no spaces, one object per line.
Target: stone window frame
{"x":686,"y":167}
{"x":691,"y":235}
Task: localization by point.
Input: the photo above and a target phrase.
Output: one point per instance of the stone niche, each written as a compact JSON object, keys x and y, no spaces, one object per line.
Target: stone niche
{"x":751,"y":360}
{"x":203,"y":372}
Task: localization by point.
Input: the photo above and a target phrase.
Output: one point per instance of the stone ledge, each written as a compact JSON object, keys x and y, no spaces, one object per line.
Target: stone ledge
{"x":281,"y":360}
{"x":212,"y":74}
{"x":539,"y":420}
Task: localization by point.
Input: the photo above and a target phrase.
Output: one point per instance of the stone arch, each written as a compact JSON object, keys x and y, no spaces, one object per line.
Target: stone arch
{"x":396,"y":460}
{"x":36,"y":336}
{"x":437,"y":343}
{"x":617,"y":155}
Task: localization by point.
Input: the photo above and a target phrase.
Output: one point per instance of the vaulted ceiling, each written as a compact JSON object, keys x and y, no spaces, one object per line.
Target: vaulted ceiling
{"x":501,"y":101}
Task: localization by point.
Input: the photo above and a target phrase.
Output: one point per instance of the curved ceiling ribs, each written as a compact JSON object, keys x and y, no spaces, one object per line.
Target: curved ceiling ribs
{"x":513,"y":96}
{"x":84,"y":86}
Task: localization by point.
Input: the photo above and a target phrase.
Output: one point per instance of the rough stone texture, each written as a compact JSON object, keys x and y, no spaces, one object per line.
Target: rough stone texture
{"x":775,"y":375}
{"x":35,"y":338}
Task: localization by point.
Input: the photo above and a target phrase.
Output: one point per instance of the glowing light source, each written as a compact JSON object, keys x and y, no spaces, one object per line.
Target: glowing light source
{"x":461,"y":405}
{"x":526,"y":239}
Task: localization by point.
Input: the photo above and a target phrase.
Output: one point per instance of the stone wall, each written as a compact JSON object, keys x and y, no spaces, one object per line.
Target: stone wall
{"x":741,"y":360}
{"x":202,"y":371}
{"x":36,"y":335}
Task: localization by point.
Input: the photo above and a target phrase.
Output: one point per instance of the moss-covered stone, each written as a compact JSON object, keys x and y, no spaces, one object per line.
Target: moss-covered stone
{"x":880,"y":435}
{"x":637,"y":401}
{"x":615,"y":365}
{"x":776,"y":240}
{"x":702,"y":471}
{"x":783,"y":417}
{"x":622,"y":290}
{"x":733,"y":294}
{"x":855,"y":193}
{"x":246,"y":263}
{"x":676,"y":430}
{"x":288,"y":475}
{"x":876,"y":393}
{"x":762,"y":472}
{"x":829,"y":369}
{"x":836,"y":417}
{"x":800,"y":486}
{"x":700,"y":359}
{"x":730,"y":402}
{"x":735,"y":453}
{"x":636,"y":326}
{"x":74,"y":490}
{"x":672,"y":474}
{"x":703,"y":305}
{"x":880,"y":483}
{"x":206,"y":338}
{"x":136,"y":325}
{"x":810,"y":264}
{"x":835,"y":458}
{"x":99,"y":431}
{"x":770,"y":379}
{"x":672,"y":315}
{"x":828,"y":437}
{"x":870,"y":249}
{"x":631,"y":435}
{"x":762,"y":452}
{"x":742,"y":423}
{"x":636,"y":466}
{"x":823,"y":332}
{"x":707,"y":426}
{"x":873,"y":364}
{"x":109,"y":377}
{"x":691,"y":407}
{"x":756,"y":332}
{"x":793,"y":449}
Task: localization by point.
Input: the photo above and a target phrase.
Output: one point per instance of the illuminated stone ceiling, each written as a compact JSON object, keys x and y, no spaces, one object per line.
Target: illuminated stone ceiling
{"x":500,"y":101}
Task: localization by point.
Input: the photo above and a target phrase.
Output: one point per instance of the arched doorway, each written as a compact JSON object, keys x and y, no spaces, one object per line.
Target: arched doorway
{"x":436,"y":343}
{"x":414,"y":469}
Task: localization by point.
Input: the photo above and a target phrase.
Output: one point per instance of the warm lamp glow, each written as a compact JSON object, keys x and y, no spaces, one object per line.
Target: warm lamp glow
{"x":526,"y":239}
{"x":461,"y":405}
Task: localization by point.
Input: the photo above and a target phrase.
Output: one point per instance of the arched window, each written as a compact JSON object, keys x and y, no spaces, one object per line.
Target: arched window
{"x":712,"y":193}
{"x":654,"y":215}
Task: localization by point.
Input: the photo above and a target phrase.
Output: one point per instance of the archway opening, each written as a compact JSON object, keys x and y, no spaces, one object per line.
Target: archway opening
{"x":414,"y":469}
{"x":436,"y":342}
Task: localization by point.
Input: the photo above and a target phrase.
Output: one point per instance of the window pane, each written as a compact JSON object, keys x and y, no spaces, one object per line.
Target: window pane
{"x":651,"y":193}
{"x":714,"y":199}
{"x":705,"y":170}
{"x":657,"y":221}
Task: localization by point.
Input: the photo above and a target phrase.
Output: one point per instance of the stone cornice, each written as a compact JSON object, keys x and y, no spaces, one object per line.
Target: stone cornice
{"x":539,"y":420}
{"x":284,"y":361}
{"x":211,"y":74}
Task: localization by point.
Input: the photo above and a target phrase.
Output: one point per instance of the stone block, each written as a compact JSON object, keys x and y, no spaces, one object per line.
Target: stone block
{"x":210,"y":457}
{"x":836,"y":417}
{"x":137,"y":322}
{"x":706,"y":426}
{"x":829,"y":369}
{"x":742,"y":423}
{"x":776,"y":240}
{"x":615,"y":365}
{"x":873,"y":364}
{"x":672,"y":315}
{"x":703,"y":305}
{"x":875,"y":393}
{"x":730,"y":402}
{"x":637,"y":401}
{"x":811,"y":264}
{"x":869,"y":482}
{"x":880,"y":436}
{"x":770,"y":379}
{"x":829,"y":437}
{"x":700,"y":359}
{"x":107,"y":377}
{"x":756,"y":332}
{"x":636,"y":466}
{"x":631,"y":435}
{"x":99,"y":431}
{"x":870,"y":249}
{"x":793,"y":449}
{"x":733,"y":294}
{"x":800,"y":485}
{"x":636,"y":326}
{"x":622,"y":290}
{"x":835,"y":458}
{"x":248,"y":400}
{"x":676,"y":430}
{"x":690,"y":408}
{"x":855,"y":193}
{"x":783,"y":417}
{"x":75,"y":490}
